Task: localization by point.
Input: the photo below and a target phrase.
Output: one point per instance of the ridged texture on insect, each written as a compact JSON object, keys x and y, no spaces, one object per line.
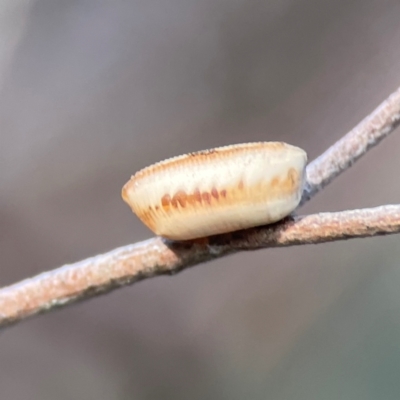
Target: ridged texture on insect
{"x":219,"y":190}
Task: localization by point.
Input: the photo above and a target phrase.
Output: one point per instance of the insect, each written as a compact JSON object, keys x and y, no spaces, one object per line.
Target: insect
{"x":219,"y":190}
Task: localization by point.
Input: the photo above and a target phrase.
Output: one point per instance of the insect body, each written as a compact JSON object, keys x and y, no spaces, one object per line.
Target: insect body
{"x":219,"y":190}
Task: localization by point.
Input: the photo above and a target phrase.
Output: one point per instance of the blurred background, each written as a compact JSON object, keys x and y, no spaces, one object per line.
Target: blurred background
{"x":92,"y":91}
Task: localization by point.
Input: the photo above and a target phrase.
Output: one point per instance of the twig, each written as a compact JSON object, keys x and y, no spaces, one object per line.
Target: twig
{"x":346,"y":151}
{"x":157,"y":256}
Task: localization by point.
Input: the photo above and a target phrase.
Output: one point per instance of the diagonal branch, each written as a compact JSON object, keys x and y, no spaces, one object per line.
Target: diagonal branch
{"x":157,"y":256}
{"x":347,"y":150}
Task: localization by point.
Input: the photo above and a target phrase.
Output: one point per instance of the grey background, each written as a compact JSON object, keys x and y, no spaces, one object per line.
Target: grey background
{"x":91,"y":91}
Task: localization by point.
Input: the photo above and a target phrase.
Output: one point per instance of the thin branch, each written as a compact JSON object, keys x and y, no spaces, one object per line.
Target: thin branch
{"x":346,"y":151}
{"x":157,"y":256}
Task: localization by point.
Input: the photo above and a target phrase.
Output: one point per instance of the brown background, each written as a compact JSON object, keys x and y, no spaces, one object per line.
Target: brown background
{"x":91,"y":91}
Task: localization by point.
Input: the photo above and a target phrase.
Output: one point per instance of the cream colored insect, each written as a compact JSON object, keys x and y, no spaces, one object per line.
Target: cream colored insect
{"x":219,"y":190}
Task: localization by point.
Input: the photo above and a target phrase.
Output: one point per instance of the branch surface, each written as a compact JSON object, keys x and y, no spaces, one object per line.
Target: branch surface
{"x":157,"y":256}
{"x":346,"y":151}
